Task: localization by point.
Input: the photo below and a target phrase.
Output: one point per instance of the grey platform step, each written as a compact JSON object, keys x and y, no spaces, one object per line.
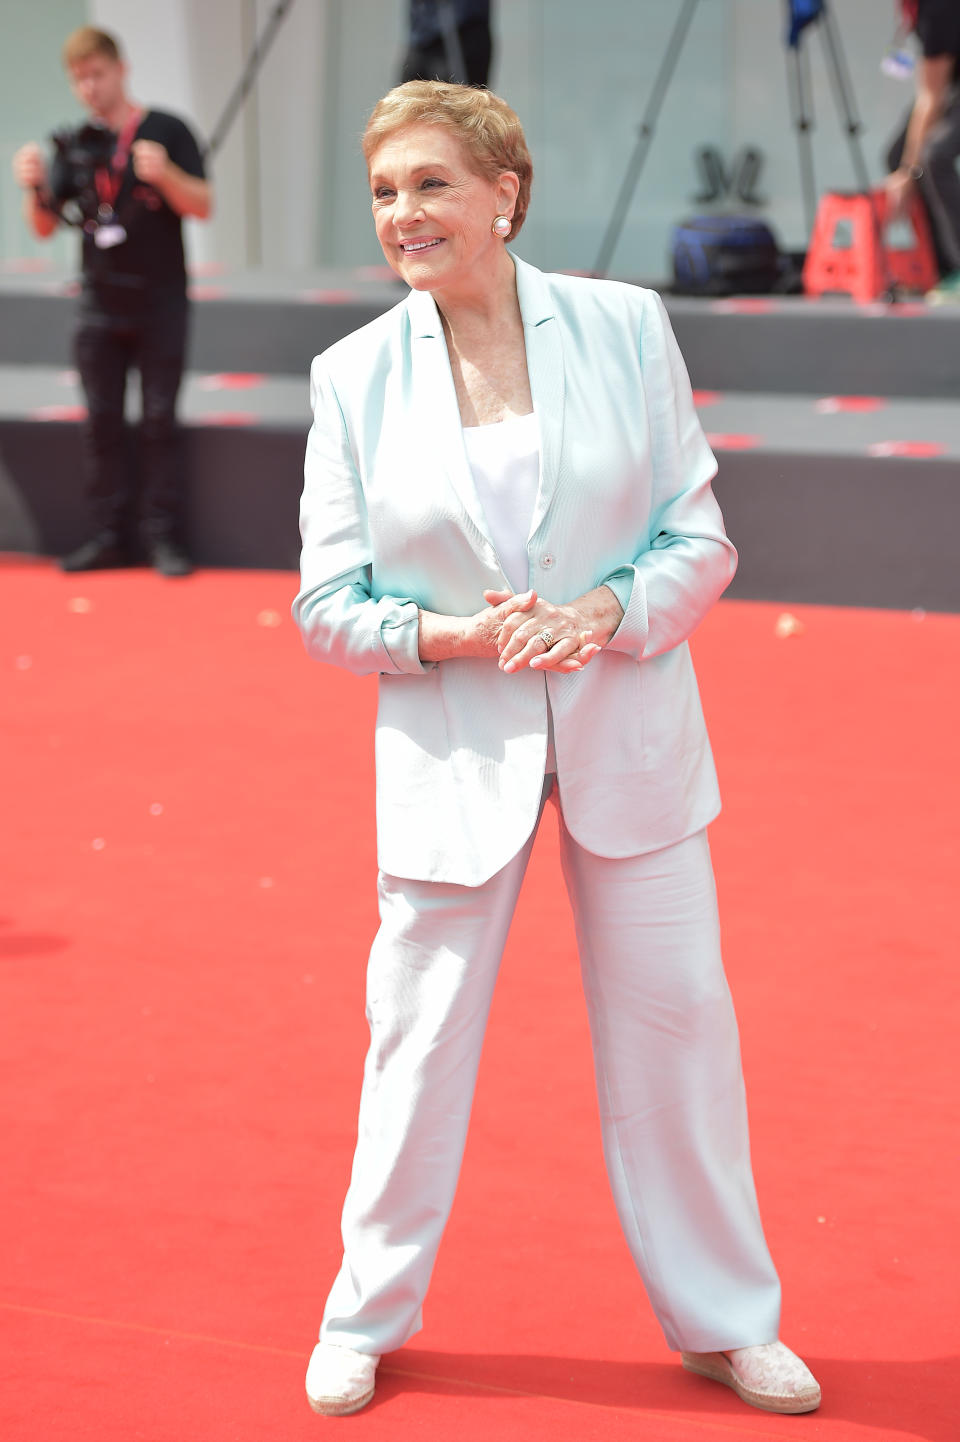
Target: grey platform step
{"x":277,"y":323}
{"x":793,"y":344}
{"x":241,"y":322}
{"x":825,"y":504}
{"x":876,"y":426}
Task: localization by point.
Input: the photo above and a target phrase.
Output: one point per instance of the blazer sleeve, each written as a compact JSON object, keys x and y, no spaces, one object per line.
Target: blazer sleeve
{"x":340,"y":618}
{"x":690,"y":561}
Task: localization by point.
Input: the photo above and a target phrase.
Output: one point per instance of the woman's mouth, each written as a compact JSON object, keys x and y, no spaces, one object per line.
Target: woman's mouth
{"x":413,"y":247}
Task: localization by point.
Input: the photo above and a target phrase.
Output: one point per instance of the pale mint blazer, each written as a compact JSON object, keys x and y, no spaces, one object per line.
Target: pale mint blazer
{"x":391,"y":522}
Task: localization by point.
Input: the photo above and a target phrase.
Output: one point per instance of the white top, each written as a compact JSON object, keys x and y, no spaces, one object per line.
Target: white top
{"x":505,"y":461}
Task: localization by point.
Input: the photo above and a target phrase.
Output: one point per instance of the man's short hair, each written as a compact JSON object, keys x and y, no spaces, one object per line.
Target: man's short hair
{"x":88,"y":41}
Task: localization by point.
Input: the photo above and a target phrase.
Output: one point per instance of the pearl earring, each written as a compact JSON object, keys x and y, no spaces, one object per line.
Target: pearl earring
{"x":502,"y":226}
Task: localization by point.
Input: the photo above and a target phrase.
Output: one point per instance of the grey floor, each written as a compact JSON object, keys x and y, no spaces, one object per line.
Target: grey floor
{"x":848,"y":506}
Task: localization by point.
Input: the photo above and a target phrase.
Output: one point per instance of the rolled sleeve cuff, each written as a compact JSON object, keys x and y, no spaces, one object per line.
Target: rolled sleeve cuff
{"x":620,"y":583}
{"x":631,"y":635}
{"x":400,"y":638}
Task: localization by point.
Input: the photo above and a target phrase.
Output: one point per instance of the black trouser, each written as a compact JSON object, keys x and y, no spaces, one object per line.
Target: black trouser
{"x":152,"y":338}
{"x":431,"y":62}
{"x":940,"y":183}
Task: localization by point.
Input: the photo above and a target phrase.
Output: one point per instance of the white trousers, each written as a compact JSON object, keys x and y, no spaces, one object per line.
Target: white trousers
{"x":667,"y":1061}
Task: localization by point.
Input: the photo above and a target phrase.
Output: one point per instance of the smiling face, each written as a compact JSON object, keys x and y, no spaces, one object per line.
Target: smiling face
{"x":433,"y":210}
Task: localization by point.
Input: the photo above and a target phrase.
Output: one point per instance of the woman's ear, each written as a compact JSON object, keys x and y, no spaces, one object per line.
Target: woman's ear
{"x":508,"y":188}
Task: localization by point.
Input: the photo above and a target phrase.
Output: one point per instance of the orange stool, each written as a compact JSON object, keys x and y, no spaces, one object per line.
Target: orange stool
{"x":866,"y":265}
{"x":912,"y":266}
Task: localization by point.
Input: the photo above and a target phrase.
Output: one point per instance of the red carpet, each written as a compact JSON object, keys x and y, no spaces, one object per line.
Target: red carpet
{"x":188,"y":896}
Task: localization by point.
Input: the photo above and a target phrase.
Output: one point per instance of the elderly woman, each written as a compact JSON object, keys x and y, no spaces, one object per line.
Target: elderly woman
{"x":508,"y":515}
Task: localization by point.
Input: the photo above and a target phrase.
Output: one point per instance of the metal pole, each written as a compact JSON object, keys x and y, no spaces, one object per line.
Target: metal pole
{"x":644,"y":139}
{"x":242,"y":88}
{"x":798,"y":86}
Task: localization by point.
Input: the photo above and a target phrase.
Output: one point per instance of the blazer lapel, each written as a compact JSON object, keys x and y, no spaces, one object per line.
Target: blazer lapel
{"x":434,"y":396}
{"x":434,"y":401}
{"x":545,"y":367}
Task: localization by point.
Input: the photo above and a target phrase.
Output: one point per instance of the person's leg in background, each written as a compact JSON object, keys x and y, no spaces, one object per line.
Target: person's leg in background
{"x":427,"y":58}
{"x":940,"y":188}
{"x":160,"y":356}
{"x":103,"y":352}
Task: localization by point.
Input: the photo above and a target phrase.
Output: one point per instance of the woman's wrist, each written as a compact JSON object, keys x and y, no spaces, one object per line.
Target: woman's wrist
{"x":603,"y":611}
{"x":442,"y":638}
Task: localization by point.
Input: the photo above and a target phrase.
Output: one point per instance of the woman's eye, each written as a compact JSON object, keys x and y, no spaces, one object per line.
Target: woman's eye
{"x":382,"y":192}
{"x":433,"y":183}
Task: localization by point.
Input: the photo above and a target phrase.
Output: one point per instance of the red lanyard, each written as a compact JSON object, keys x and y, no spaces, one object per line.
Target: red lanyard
{"x":109,"y":180}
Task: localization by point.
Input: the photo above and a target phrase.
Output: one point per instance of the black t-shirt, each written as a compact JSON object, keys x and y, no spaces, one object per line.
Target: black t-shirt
{"x":150,"y":260}
{"x":938,"y":29}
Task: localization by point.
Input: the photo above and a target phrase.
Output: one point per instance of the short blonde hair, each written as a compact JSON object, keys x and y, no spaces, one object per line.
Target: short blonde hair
{"x":486,"y":127}
{"x":86,"y":42}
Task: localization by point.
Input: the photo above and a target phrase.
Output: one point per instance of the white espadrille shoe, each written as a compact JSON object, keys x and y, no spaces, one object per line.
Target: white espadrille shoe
{"x":769,"y":1376}
{"x":339,"y":1380}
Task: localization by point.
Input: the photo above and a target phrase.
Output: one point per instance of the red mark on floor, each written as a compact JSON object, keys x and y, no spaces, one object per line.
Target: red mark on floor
{"x":231,"y":381}
{"x":858,"y":405}
{"x":917,"y":450}
{"x":744,"y":305}
{"x":723,"y":441}
{"x":58,"y":413}
{"x":329,"y":297}
{"x":224,"y":418}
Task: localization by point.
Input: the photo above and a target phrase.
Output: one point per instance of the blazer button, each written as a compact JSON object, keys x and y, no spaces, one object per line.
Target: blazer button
{"x":547,"y":561}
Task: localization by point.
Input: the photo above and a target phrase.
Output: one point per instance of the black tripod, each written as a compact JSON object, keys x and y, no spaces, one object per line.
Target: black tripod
{"x":798,"y":75}
{"x":801,"y":109}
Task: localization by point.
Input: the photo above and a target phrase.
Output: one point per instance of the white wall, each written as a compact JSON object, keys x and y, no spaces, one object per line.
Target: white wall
{"x":34,"y":100}
{"x":290,"y":184}
{"x":187,"y":56}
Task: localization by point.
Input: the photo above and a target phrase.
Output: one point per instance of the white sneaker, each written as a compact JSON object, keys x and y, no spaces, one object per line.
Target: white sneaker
{"x":769,"y":1376}
{"x":339,"y":1380}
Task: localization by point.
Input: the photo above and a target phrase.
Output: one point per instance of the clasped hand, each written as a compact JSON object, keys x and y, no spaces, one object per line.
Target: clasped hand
{"x":514,"y":626}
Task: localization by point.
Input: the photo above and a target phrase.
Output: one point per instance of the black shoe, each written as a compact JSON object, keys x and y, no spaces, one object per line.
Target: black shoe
{"x":170,"y":559}
{"x":95,"y":555}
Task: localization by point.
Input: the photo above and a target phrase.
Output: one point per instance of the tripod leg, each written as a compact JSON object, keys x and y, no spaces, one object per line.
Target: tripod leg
{"x":798,"y":87}
{"x":846,"y":106}
{"x":250,"y":70}
{"x":644,"y":138}
{"x":843,"y":94}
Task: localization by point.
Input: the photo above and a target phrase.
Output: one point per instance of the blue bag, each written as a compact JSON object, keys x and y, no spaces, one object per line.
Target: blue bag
{"x":725,"y":255}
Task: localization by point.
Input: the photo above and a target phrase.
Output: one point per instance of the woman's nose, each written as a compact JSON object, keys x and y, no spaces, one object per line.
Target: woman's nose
{"x":407,"y":207}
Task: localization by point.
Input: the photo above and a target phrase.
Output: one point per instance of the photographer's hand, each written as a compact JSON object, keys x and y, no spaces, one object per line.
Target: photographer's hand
{"x":29,"y":167}
{"x":30,"y":173}
{"x":150,"y":162}
{"x":186,"y":194}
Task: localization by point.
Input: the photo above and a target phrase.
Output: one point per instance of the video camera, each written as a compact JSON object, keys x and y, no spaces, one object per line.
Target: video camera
{"x":78,"y":155}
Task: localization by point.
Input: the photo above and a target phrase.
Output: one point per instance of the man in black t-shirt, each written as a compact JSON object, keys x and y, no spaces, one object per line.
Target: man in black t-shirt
{"x":128,"y":176}
{"x":925,"y":153}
